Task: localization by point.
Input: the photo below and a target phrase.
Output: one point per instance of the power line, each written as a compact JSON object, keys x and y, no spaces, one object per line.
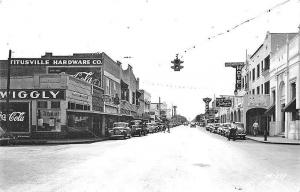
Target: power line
{"x":230,"y":29}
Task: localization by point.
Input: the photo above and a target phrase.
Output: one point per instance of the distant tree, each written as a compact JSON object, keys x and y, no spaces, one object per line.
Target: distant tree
{"x":179,"y":118}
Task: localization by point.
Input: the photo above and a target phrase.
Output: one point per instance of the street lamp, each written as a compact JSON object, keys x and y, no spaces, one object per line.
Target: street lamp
{"x":7,"y":92}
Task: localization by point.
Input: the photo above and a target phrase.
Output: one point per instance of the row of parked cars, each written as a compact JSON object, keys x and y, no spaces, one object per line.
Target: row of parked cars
{"x":134,"y":128}
{"x":224,"y":129}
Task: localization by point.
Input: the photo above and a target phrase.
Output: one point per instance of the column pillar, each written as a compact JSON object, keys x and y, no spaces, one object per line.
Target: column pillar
{"x":103,"y":127}
{"x":287,"y":87}
{"x":298,"y":78}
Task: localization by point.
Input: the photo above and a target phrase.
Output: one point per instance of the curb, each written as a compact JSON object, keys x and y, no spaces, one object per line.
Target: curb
{"x":271,"y":142}
{"x":51,"y":142}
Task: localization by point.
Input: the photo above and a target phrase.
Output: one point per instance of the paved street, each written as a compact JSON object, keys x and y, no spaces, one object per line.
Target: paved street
{"x":187,"y":159}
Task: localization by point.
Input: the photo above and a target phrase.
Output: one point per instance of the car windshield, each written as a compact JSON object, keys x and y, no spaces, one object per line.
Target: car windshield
{"x":120,"y":124}
{"x":226,"y":125}
{"x":239,"y":125}
{"x":135,"y":122}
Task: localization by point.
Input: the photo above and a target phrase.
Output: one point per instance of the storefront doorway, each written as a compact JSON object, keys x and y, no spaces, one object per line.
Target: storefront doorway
{"x":256,"y":114}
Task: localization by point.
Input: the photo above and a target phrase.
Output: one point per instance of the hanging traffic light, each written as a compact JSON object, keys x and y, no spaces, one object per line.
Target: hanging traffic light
{"x":176,"y":64}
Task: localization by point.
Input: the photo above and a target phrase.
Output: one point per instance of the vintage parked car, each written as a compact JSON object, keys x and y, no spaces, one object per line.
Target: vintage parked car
{"x":240,"y":130}
{"x":220,"y":129}
{"x":208,"y":127}
{"x":225,"y":128}
{"x":137,"y":128}
{"x":120,"y":130}
{"x":214,"y":127}
{"x":193,"y":124}
{"x":150,"y":127}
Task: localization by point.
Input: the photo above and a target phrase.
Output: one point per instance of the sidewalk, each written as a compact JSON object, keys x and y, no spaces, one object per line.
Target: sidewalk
{"x":51,"y":142}
{"x":274,"y":140}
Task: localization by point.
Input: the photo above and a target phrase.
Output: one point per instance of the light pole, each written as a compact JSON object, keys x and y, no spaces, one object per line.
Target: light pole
{"x":7,"y":93}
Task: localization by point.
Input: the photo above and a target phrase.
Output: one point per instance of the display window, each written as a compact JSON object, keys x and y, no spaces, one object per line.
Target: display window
{"x":79,"y":122}
{"x":48,"y":120}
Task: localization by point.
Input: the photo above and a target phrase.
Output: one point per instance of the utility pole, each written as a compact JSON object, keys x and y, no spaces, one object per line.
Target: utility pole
{"x":159,"y":109}
{"x":7,"y":93}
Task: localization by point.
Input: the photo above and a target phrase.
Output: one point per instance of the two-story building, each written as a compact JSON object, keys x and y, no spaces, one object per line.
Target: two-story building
{"x":285,"y":89}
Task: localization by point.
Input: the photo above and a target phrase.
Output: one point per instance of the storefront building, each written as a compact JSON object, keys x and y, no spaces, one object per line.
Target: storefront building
{"x":97,"y":93}
{"x":252,"y":102}
{"x":51,"y":106}
{"x":144,"y":105}
{"x":285,"y":89}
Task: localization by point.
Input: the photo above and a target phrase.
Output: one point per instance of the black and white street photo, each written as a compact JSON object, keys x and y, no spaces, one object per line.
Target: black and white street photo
{"x":149,"y":96}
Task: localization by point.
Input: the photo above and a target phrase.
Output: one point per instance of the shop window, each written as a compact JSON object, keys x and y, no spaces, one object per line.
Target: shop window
{"x":48,"y":120}
{"x":71,"y":105}
{"x":55,"y":104}
{"x":257,"y":90}
{"x":262,"y":89}
{"x":86,"y":107}
{"x":253,"y":91}
{"x":42,"y":104}
{"x":78,"y":107}
{"x":78,"y":122}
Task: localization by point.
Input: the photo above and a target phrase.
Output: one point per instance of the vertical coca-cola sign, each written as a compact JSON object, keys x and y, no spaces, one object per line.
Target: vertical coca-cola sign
{"x":18,"y":116}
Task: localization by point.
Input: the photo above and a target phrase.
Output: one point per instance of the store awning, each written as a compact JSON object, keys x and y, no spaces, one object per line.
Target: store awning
{"x":290,"y":107}
{"x":270,"y":110}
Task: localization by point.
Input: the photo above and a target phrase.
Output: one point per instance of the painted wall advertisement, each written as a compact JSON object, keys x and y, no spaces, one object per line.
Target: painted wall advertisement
{"x":18,"y":116}
{"x":92,"y":75}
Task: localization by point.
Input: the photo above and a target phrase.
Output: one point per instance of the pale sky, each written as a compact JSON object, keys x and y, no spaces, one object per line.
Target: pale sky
{"x":152,"y":32}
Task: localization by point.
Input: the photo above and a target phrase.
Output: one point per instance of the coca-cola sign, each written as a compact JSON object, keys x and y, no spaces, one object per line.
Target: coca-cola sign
{"x":18,"y":116}
{"x":88,"y":77}
{"x":92,"y":75}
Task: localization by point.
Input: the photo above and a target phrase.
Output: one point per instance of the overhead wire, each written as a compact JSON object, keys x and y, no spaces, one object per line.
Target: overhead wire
{"x":234,"y":27}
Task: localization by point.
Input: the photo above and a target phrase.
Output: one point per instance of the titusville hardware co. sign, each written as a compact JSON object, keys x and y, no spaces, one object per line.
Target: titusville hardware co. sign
{"x":55,"y":62}
{"x":28,"y":94}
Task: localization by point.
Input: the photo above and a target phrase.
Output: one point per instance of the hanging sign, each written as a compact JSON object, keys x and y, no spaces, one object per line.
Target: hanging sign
{"x":223,"y":102}
{"x":238,"y":77}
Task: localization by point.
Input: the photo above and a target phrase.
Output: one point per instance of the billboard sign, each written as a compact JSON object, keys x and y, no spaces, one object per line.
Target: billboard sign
{"x":18,"y":116}
{"x":92,"y":75}
{"x":223,"y":102}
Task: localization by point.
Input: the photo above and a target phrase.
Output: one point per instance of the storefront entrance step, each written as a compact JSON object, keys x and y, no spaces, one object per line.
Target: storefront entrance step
{"x":274,"y":140}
